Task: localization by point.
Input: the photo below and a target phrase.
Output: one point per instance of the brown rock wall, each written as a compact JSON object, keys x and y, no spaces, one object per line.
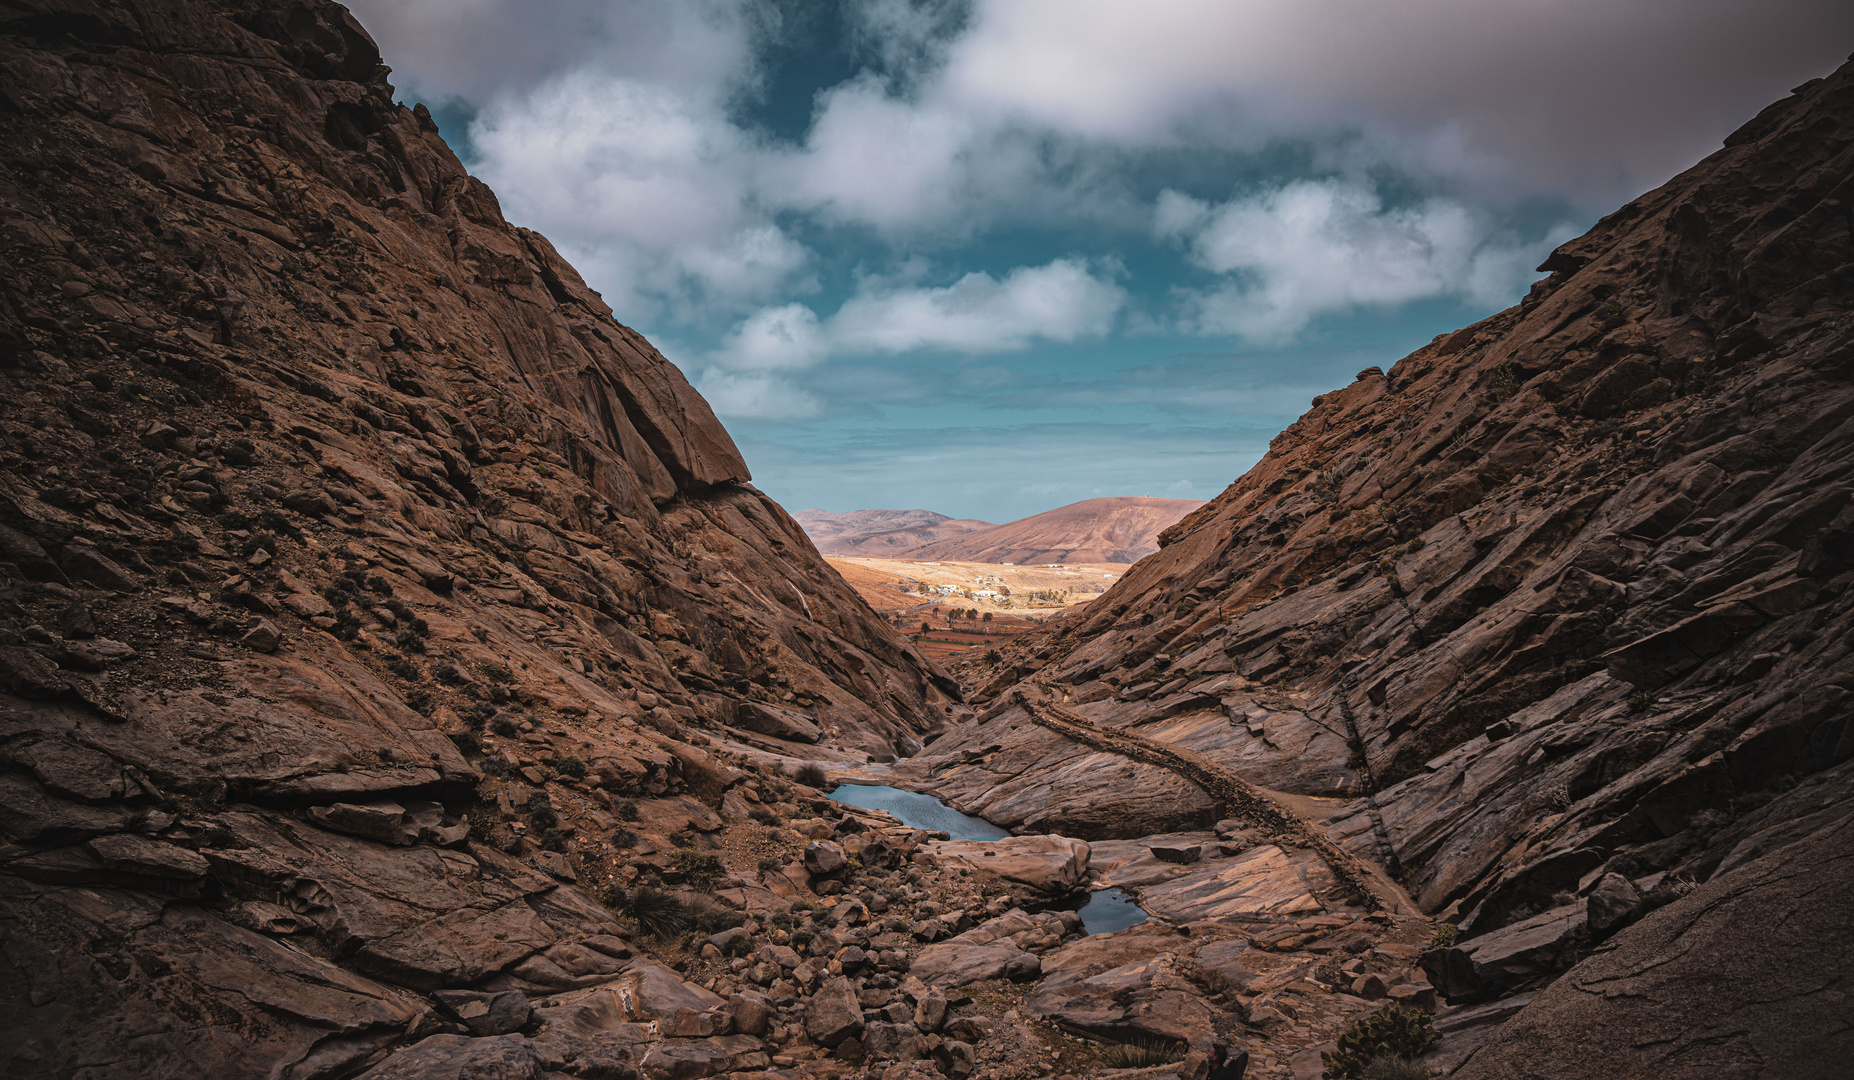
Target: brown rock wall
{"x":1565,"y":585}
{"x":370,"y":599}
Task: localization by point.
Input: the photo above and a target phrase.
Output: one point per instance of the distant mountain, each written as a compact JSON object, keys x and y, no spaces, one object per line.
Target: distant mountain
{"x":884,"y":533}
{"x":1119,"y":529}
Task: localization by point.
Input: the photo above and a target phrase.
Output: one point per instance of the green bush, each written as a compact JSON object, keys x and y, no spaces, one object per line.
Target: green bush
{"x":1444,"y":936}
{"x":572,"y":767}
{"x":1399,"y":1031}
{"x":700,"y":869}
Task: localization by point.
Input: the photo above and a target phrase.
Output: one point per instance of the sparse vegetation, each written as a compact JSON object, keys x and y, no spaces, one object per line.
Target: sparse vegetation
{"x":482,"y":820}
{"x":541,"y":811}
{"x":1444,"y":936}
{"x":1395,"y":1068}
{"x":571,"y":767}
{"x":701,"y":869}
{"x":657,"y":913}
{"x":1143,"y":1052}
{"x":1400,"y":1031}
{"x":626,"y":809}
{"x":811,"y":774}
{"x":1506,"y":381}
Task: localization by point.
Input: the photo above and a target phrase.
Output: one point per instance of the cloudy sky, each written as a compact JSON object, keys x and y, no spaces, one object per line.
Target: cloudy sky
{"x":987,"y":257}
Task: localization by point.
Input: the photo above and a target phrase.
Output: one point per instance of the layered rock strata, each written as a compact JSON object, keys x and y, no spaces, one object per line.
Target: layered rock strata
{"x":371,"y":602}
{"x":1560,"y":601}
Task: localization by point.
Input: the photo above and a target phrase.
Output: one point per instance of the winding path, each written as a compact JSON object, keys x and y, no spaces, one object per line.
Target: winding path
{"x":1237,"y":797}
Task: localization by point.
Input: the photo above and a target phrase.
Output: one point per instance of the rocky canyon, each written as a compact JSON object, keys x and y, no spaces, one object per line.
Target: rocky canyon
{"x":402,"y":678}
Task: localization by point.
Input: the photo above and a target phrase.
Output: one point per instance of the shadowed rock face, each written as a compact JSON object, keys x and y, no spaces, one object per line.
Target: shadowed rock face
{"x":309,"y":462}
{"x":1562,"y":595}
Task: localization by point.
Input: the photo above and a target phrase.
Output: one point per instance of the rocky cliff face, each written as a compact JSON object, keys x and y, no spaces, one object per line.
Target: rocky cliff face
{"x":1560,"y":603}
{"x":331,"y":507}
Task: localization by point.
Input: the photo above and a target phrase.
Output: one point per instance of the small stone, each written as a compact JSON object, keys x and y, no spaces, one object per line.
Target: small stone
{"x":159,"y":436}
{"x":1612,"y":902}
{"x":264,"y":637}
{"x":823,"y":857}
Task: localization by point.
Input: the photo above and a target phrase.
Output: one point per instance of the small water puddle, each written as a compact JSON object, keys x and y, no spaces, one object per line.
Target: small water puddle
{"x":1105,"y":911}
{"x":1102,"y":911}
{"x":918,"y":811}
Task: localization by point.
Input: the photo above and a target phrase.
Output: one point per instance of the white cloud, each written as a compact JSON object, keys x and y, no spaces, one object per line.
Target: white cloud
{"x":607,"y":124}
{"x":978,"y":314}
{"x":775,"y":339}
{"x":756,"y":395}
{"x":1591,"y":98}
{"x":1061,"y":301}
{"x":649,"y":186}
{"x":1295,"y":251}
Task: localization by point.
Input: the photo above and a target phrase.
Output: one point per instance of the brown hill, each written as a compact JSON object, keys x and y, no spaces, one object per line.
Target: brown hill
{"x":1117,"y":529}
{"x":881,"y":533}
{"x":355,"y":568}
{"x":1565,"y":602}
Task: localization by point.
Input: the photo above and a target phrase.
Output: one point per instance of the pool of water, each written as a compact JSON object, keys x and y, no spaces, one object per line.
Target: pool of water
{"x":919,"y":811}
{"x":1107,"y":910}
{"x":1102,"y":911}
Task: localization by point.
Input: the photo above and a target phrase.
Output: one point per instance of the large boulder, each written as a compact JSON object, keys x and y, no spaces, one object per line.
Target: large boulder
{"x":956,"y":963}
{"x":690,"y":1059}
{"x":1511,"y":958}
{"x":776,"y":722}
{"x":1048,"y":864}
{"x":834,"y":1013}
{"x":825,"y":858}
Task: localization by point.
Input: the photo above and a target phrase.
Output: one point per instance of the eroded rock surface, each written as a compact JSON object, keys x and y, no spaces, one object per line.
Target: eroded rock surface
{"x":372,"y":603}
{"x":1559,"y":601}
